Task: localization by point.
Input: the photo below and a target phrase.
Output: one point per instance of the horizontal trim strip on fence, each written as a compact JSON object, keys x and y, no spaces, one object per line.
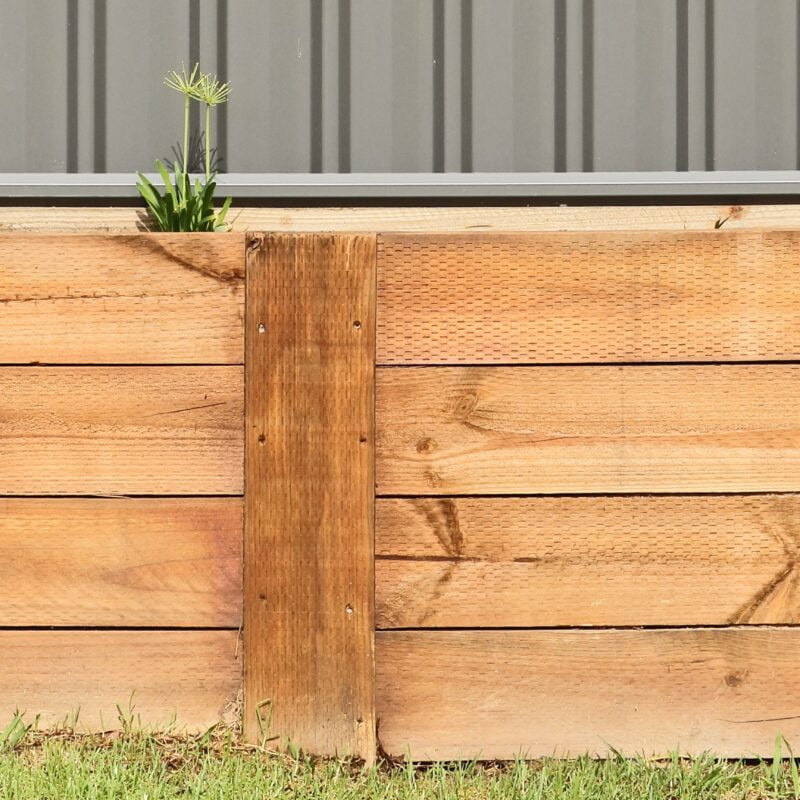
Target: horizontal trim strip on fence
{"x":121,"y":430}
{"x":502,"y":694}
{"x":451,"y":185}
{"x":127,"y":299}
{"x":130,"y":562}
{"x":195,"y":675}
{"x":552,"y":430}
{"x":495,"y":562}
{"x":584,"y":298}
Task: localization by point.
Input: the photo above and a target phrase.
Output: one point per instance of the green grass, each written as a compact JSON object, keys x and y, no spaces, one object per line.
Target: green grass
{"x":156,"y":767}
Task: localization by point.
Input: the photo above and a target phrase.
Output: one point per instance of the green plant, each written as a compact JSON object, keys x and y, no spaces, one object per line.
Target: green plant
{"x":14,"y":733}
{"x":187,"y":205}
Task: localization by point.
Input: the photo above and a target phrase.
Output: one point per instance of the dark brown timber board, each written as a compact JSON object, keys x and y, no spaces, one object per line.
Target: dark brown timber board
{"x":309,"y":519}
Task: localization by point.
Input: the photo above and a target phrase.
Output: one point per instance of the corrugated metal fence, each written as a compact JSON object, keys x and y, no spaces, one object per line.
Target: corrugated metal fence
{"x":407,"y":85}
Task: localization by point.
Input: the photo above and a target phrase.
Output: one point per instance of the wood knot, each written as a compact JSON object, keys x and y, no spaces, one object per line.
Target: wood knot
{"x":433,"y":478}
{"x":254,"y":243}
{"x":464,"y":405}
{"x":735,"y":679}
{"x":426,"y":445}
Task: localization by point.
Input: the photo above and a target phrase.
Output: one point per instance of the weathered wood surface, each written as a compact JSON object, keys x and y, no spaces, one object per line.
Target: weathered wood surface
{"x":430,"y":219}
{"x":128,"y":299}
{"x":121,"y":430}
{"x":520,"y":430}
{"x":309,"y":513}
{"x":568,"y":561}
{"x":500,"y":694}
{"x":588,"y":297}
{"x":145,"y":562}
{"x":193,"y":675}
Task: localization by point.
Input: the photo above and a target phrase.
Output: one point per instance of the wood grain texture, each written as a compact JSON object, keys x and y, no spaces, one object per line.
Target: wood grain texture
{"x":424,"y":219}
{"x":500,"y":694}
{"x":309,"y":505}
{"x":570,"y":561}
{"x":544,"y":430}
{"x":147,"y":562}
{"x":125,"y":299}
{"x":121,"y":430}
{"x":193,"y":675}
{"x":588,"y":298}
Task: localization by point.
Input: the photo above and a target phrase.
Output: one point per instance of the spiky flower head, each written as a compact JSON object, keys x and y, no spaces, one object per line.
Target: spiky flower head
{"x":187,"y":83}
{"x":210,"y":90}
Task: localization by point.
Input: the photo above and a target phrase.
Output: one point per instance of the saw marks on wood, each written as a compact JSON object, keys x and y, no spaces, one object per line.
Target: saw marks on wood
{"x":126,"y":299}
{"x":536,"y":430}
{"x":121,"y":430}
{"x":504,"y":694}
{"x":494,"y":562}
{"x":588,"y":297}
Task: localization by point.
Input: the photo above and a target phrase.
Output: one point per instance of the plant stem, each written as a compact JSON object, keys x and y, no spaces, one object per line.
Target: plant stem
{"x":186,"y":135}
{"x":208,"y":142}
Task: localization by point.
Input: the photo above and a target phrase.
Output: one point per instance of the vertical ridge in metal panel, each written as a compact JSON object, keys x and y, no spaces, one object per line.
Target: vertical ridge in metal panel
{"x":99,"y":85}
{"x":560,"y":86}
{"x":682,"y":85}
{"x":438,"y":84}
{"x":466,"y":85}
{"x":710,"y":78}
{"x":222,"y":71}
{"x":588,"y":85}
{"x":344,"y":85}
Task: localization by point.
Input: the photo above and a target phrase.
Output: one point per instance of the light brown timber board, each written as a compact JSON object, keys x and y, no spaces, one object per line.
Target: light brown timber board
{"x":552,"y":430}
{"x":501,"y":694}
{"x":588,"y":297}
{"x":133,"y":562}
{"x":494,"y":562}
{"x":125,"y":299}
{"x":193,"y":675}
{"x":425,"y":219}
{"x":121,"y":430}
{"x":309,"y":503}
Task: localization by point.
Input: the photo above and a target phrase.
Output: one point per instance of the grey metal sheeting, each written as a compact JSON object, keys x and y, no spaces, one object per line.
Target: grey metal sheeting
{"x":407,"y":86}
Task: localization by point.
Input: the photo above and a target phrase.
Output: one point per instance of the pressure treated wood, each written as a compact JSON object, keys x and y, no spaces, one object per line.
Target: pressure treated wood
{"x":588,"y":297}
{"x":540,"y":430}
{"x":568,"y":561}
{"x":144,"y":562}
{"x":125,"y":299}
{"x":425,"y":219}
{"x":500,"y":694}
{"x":194,"y":676}
{"x":121,"y":430}
{"x":309,"y":527}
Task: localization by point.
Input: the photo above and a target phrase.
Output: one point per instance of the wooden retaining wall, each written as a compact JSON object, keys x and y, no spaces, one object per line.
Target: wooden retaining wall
{"x":587,"y":430}
{"x":471,"y":494}
{"x":121,"y":475}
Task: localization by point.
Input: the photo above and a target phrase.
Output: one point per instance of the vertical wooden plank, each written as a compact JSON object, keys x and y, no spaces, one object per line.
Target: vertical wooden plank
{"x":309,"y":495}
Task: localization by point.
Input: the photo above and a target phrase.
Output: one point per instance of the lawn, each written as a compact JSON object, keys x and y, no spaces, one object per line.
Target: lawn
{"x":156,"y":767}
